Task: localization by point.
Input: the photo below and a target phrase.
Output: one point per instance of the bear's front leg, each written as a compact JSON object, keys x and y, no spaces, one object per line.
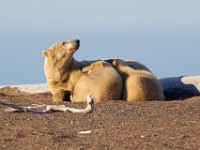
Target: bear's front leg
{"x":57,"y":96}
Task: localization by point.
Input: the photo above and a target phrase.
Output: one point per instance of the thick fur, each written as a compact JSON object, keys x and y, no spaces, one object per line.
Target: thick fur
{"x":132,"y":63}
{"x":139,"y":85}
{"x":63,"y":71}
{"x":103,"y":82}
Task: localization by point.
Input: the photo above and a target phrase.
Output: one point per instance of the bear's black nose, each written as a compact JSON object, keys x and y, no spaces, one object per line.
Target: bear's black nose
{"x":77,"y":40}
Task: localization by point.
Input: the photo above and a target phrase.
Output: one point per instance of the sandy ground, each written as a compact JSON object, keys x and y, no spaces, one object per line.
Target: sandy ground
{"x":112,"y":125}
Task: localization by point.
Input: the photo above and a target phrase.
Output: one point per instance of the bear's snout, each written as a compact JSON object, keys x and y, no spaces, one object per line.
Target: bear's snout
{"x":77,"y":41}
{"x":72,"y":41}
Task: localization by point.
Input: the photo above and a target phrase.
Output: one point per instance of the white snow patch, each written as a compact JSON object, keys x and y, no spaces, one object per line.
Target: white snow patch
{"x":30,"y":88}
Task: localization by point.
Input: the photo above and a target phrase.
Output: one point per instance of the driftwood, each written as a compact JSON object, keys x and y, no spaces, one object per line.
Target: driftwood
{"x":50,"y":108}
{"x":181,"y":87}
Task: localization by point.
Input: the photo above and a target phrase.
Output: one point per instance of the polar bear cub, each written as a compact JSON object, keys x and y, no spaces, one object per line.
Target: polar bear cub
{"x":102,"y":81}
{"x":139,"y":85}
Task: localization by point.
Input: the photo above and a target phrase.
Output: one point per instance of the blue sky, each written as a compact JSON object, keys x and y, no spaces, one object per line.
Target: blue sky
{"x":163,"y":35}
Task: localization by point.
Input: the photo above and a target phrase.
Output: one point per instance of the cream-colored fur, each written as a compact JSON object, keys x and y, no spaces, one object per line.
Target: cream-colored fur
{"x":132,"y":63}
{"x":61,"y":69}
{"x":139,"y":85}
{"x":102,"y":81}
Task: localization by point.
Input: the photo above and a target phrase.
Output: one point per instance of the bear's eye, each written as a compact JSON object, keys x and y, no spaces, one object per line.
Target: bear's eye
{"x":63,"y":43}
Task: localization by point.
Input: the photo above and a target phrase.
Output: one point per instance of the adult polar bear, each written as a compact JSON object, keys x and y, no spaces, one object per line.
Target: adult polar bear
{"x":63,"y":71}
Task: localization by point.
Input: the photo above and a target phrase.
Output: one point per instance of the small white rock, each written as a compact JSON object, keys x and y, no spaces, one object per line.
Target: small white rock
{"x":85,"y":132}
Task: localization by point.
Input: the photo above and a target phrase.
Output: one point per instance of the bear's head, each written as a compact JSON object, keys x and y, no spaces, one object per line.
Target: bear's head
{"x":119,"y":63}
{"x":58,"y":59}
{"x":61,"y":50}
{"x":96,"y":66}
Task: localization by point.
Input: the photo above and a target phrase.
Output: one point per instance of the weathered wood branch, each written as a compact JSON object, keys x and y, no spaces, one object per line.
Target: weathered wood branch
{"x":50,"y":108}
{"x":181,"y":87}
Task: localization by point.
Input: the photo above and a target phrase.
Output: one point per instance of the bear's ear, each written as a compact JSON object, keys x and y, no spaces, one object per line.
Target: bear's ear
{"x":114,"y":63}
{"x":104,"y":64}
{"x":92,"y":65}
{"x":45,"y":53}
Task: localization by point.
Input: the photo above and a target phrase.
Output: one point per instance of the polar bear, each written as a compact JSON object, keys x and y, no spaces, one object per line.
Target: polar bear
{"x":139,"y":85}
{"x":63,"y":71}
{"x":103,"y":82}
